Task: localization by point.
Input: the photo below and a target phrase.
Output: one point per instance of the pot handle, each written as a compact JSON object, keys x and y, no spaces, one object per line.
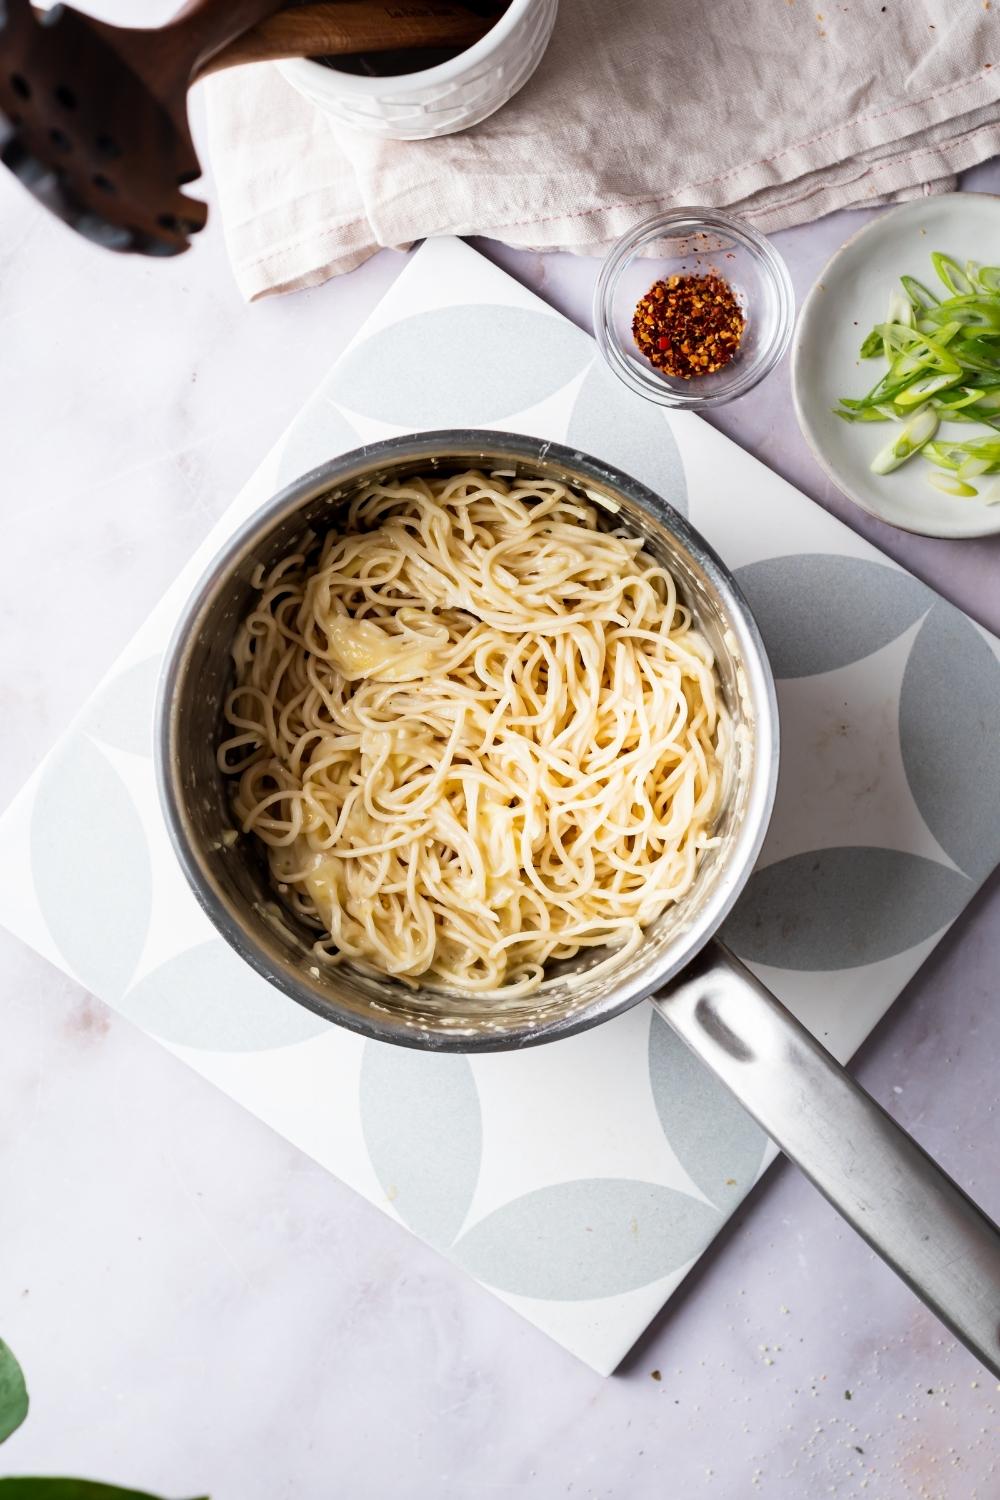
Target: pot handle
{"x":885,"y":1185}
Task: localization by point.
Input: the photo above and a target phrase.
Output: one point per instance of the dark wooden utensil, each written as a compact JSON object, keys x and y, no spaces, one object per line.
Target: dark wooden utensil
{"x":93,"y":117}
{"x":346,"y":27}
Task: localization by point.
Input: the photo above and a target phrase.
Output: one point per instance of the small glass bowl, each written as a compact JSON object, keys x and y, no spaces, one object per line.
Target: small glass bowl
{"x":695,"y":242}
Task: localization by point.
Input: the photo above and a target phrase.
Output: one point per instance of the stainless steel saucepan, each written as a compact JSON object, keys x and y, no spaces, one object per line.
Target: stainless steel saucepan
{"x":904,"y":1205}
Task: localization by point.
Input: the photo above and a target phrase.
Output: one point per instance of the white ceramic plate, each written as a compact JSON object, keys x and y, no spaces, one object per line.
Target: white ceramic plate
{"x":851,"y":295}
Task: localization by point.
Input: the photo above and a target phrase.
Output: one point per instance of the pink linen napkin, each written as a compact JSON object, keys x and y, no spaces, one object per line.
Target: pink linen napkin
{"x":781,"y":110}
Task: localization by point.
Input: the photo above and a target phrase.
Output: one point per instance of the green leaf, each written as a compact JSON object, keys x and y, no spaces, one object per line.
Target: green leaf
{"x":69,"y":1489}
{"x":13,"y":1394}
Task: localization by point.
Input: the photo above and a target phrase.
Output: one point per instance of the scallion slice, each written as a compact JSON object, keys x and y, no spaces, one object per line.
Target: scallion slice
{"x":954,"y":399}
{"x":900,"y":309}
{"x":951,"y":485}
{"x":943,"y":365}
{"x":973,"y":467}
{"x":925,"y":386}
{"x":920,"y":297}
{"x":951,"y":273}
{"x":972,"y":312}
{"x":945,"y":455}
{"x":986,"y":397}
{"x":909,"y":440}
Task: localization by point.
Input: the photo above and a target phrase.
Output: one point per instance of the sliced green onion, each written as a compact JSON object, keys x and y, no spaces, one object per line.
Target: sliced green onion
{"x":951,"y":273}
{"x":900,"y":338}
{"x":945,"y":455}
{"x":885,"y":391}
{"x":943,"y":364}
{"x":872,"y":346}
{"x":947,"y":331}
{"x":973,"y":467}
{"x":867,"y":414}
{"x":918,"y":294}
{"x":900,"y":309}
{"x":925,"y":386}
{"x":916,"y":349}
{"x":971,"y":312}
{"x":988,"y":448}
{"x":973,"y":414}
{"x":977,"y":354}
{"x":991,"y":494}
{"x":955,"y":397}
{"x":909,"y":440}
{"x":950,"y":484}
{"x":986,"y":397}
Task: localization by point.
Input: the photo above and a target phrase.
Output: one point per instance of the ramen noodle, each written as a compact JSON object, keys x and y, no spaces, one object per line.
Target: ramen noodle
{"x":476,"y":732}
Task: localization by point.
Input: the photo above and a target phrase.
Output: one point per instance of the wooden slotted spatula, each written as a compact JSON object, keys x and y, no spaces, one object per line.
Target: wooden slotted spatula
{"x":93,"y":117}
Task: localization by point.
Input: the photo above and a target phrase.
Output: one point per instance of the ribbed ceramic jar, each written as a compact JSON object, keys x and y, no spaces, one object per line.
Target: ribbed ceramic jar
{"x":439,"y":100}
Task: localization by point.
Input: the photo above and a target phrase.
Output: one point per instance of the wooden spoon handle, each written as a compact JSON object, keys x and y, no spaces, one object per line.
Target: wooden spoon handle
{"x":331,"y":30}
{"x":202,"y":29}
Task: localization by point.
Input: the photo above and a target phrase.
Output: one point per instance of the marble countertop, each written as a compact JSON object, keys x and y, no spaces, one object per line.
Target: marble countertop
{"x":202,"y":1310}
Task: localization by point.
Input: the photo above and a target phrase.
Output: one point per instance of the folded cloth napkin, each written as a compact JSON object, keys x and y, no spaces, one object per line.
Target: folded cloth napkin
{"x":779,"y":109}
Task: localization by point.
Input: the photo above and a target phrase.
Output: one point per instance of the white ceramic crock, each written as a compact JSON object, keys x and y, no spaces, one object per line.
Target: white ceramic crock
{"x":440,"y":100}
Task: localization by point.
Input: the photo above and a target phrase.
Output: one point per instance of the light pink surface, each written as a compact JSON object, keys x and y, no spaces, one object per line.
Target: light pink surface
{"x":198,"y":1307}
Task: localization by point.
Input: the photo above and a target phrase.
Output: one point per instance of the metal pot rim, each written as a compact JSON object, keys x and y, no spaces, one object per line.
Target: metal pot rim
{"x":490,"y":446}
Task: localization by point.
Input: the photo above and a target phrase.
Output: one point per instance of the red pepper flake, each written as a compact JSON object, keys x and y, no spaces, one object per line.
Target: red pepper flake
{"x":689,"y":325}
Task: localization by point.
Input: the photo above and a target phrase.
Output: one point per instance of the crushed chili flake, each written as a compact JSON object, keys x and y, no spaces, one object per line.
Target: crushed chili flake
{"x":689,"y":325}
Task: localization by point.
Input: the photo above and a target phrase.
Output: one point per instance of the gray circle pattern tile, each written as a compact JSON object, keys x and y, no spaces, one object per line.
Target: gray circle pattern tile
{"x":840,"y":908}
{"x":86,"y":836}
{"x":422,"y":1126}
{"x":949,"y":734}
{"x":207,"y":997}
{"x":712,"y":1136}
{"x":320,"y":432}
{"x":459,"y":366}
{"x":593,"y":1237}
{"x":818,"y":611}
{"x":121,"y":713}
{"x":633,"y":435}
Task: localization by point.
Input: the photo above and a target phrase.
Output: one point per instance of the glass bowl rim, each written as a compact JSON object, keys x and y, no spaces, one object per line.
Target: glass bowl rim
{"x":692,"y":219}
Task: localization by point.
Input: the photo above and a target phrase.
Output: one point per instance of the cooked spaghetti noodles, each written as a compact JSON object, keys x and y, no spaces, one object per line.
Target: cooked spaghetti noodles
{"x":475,"y":731}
